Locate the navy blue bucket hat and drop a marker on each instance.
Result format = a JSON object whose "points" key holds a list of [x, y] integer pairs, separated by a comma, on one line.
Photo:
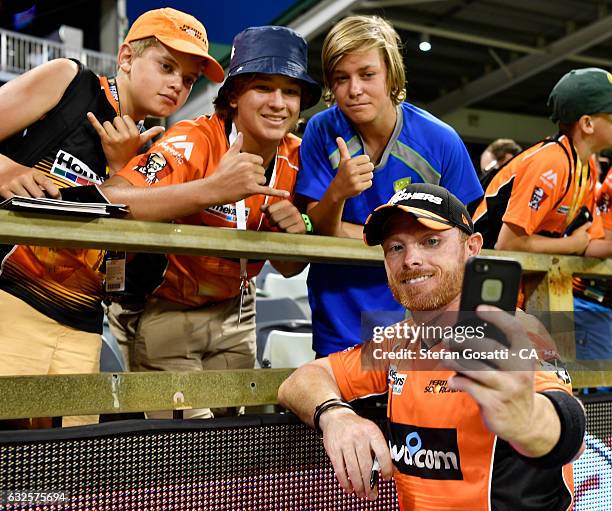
{"points": [[276, 51]]}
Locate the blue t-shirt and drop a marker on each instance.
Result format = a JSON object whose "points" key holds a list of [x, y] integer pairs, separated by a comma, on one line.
{"points": [[421, 149]]}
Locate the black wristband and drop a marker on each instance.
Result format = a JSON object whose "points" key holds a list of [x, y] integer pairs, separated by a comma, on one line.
{"points": [[328, 405], [573, 426]]}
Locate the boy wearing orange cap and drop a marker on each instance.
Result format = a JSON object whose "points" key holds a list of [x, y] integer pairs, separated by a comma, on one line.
{"points": [[51, 296]]}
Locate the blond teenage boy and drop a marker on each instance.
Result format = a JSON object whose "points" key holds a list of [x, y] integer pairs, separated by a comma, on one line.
{"points": [[355, 155]]}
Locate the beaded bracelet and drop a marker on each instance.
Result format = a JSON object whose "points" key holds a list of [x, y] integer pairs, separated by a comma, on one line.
{"points": [[328, 405]]}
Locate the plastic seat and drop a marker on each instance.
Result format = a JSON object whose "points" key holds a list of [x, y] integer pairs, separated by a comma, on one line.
{"points": [[264, 330], [111, 360], [266, 270], [288, 349], [275, 309], [277, 286]]}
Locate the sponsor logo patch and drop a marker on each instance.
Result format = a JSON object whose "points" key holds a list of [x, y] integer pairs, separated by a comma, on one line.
{"points": [[226, 212], [428, 453], [178, 146], [564, 210], [403, 195], [549, 179], [396, 381], [71, 168], [558, 369], [153, 166], [438, 387], [401, 183], [536, 198]]}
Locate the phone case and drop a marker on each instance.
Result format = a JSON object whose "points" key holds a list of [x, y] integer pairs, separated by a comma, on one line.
{"points": [[583, 216], [480, 269]]}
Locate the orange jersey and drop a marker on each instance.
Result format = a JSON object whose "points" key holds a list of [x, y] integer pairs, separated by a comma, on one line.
{"points": [[192, 150], [65, 284], [540, 190], [604, 201], [445, 457], [599, 290]]}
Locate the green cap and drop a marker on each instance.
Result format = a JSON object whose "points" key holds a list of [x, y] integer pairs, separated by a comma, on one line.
{"points": [[581, 92]]}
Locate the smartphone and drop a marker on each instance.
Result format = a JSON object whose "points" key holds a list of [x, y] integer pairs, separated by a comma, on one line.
{"points": [[582, 217], [491, 281]]}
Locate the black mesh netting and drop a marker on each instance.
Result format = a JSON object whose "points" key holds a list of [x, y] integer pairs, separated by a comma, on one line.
{"points": [[248, 463], [593, 471], [185, 465]]}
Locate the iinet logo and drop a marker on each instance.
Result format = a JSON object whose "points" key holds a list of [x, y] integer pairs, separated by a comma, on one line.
{"points": [[403, 195]]}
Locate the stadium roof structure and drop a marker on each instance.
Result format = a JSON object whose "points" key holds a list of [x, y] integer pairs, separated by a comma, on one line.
{"points": [[491, 61]]}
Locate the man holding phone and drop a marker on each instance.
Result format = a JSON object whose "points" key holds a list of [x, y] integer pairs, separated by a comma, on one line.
{"points": [[478, 439]]}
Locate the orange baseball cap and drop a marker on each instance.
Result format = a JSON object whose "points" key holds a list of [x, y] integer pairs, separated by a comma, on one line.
{"points": [[179, 31]]}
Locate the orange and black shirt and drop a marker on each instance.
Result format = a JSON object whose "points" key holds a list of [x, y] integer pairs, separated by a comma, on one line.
{"points": [[64, 284], [192, 150], [540, 190], [599, 290], [445, 458]]}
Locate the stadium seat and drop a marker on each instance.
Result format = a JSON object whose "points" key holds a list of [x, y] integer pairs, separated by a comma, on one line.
{"points": [[288, 349], [277, 314], [277, 286]]}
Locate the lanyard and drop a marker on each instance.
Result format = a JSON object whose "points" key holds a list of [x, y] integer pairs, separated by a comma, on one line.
{"points": [[581, 183], [114, 90], [241, 225]]}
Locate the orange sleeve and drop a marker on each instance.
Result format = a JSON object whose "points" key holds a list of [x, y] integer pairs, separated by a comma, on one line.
{"points": [[537, 187], [550, 373], [597, 229], [352, 379], [552, 377], [181, 155]]}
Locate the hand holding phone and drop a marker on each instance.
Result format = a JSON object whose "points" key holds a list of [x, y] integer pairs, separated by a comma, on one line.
{"points": [[492, 281], [582, 217]]}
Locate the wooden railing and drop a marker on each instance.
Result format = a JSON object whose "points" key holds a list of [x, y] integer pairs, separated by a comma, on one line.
{"points": [[548, 281]]}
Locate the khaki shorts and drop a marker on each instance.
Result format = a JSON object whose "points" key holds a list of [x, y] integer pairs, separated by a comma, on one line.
{"points": [[171, 337], [32, 343]]}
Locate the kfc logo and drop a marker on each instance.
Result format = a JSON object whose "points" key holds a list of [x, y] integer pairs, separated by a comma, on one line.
{"points": [[153, 167]]}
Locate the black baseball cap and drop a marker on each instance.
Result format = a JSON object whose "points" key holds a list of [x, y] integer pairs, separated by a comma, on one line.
{"points": [[274, 50], [433, 206], [581, 92]]}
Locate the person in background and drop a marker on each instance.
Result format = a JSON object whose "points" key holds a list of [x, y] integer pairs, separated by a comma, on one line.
{"points": [[497, 154], [545, 200]]}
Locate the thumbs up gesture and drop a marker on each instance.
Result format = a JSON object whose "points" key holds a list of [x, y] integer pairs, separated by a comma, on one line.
{"points": [[354, 174]]}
